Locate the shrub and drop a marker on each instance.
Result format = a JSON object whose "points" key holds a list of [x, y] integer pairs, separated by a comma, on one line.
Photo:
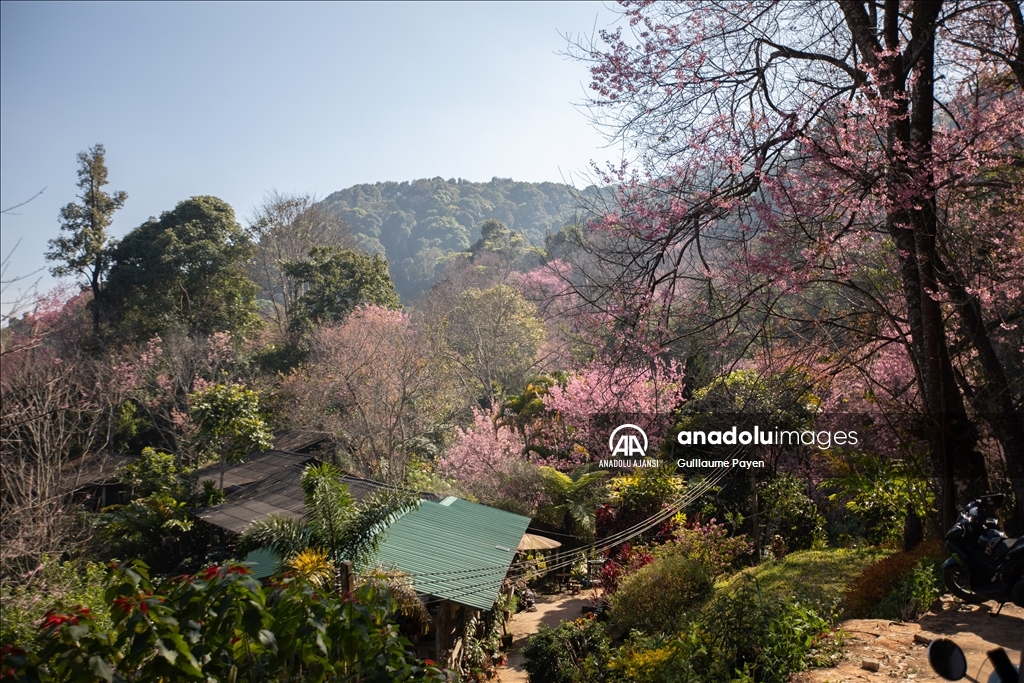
{"points": [[219, 624], [711, 545], [26, 603], [153, 472], [767, 639], [575, 652], [658, 596], [739, 637], [791, 514], [914, 594], [870, 588], [877, 492], [646, 490], [629, 561]]}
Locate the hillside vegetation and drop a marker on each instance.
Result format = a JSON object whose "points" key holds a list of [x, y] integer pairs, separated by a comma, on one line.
{"points": [[415, 225]]}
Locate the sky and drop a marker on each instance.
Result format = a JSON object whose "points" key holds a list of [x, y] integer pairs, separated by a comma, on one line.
{"points": [[237, 99]]}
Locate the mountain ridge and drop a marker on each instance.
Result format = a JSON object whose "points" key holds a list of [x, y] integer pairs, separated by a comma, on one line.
{"points": [[416, 224]]}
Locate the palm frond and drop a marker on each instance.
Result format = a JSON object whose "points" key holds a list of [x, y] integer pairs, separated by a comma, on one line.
{"points": [[362, 535], [283, 535], [401, 588]]}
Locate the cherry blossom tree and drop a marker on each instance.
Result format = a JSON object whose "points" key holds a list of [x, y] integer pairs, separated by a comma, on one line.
{"points": [[840, 169], [371, 381], [559, 422]]}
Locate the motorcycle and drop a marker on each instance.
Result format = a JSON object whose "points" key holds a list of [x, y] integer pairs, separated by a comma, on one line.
{"points": [[949, 661], [984, 564]]}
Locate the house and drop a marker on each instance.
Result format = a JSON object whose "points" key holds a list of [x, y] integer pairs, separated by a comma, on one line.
{"points": [[95, 481], [456, 553]]}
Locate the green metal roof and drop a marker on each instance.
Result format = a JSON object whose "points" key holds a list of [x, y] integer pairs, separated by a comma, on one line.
{"points": [[454, 549], [264, 562]]}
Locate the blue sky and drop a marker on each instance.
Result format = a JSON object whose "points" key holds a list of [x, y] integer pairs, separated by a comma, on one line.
{"points": [[236, 99]]}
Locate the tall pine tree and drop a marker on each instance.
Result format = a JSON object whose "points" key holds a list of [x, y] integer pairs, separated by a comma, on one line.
{"points": [[83, 247]]}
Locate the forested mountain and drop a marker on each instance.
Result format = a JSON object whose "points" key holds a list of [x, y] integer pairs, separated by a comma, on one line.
{"points": [[416, 224]]}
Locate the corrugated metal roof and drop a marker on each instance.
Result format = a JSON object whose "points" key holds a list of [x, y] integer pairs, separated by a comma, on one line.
{"points": [[96, 469], [454, 549], [298, 441], [254, 468], [279, 493], [263, 563]]}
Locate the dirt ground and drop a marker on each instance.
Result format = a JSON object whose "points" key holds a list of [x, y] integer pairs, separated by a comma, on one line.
{"points": [[898, 648], [901, 649], [551, 610]]}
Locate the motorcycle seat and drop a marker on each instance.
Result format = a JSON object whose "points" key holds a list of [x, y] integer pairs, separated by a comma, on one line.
{"points": [[1002, 547]]}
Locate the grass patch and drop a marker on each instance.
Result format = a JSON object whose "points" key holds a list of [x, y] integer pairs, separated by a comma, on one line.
{"points": [[816, 578]]}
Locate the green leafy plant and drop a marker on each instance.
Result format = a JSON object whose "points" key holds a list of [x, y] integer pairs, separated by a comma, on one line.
{"points": [[711, 545], [915, 593], [743, 636], [230, 424], [657, 597], [897, 586], [645, 490], [219, 625], [877, 493], [334, 522], [790, 513], [571, 499], [575, 652], [767, 639], [153, 472], [53, 580]]}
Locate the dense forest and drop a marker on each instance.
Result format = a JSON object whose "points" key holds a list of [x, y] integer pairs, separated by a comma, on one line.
{"points": [[417, 225]]}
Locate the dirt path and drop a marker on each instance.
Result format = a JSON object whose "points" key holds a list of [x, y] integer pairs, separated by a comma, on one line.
{"points": [[901, 649], [551, 611]]}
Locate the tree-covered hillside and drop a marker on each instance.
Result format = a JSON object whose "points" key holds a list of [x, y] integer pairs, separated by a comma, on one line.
{"points": [[416, 224]]}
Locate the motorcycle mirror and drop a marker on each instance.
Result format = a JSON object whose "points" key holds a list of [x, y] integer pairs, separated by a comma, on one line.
{"points": [[947, 659]]}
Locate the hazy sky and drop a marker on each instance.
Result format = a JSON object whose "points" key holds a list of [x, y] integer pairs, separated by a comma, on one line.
{"points": [[237, 99]]}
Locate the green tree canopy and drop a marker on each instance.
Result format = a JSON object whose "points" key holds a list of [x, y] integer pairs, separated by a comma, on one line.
{"points": [[336, 281], [493, 337], [230, 424], [572, 499], [185, 269], [83, 247]]}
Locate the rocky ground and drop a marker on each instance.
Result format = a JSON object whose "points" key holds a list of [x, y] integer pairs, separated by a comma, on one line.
{"points": [[900, 649]]}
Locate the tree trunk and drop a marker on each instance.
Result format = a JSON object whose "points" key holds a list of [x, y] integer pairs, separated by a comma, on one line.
{"points": [[96, 294], [913, 226], [994, 399]]}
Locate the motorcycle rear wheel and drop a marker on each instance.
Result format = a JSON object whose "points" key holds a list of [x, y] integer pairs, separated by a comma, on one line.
{"points": [[959, 584]]}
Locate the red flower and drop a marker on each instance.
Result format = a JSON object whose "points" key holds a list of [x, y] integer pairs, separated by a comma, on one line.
{"points": [[211, 573], [53, 620], [429, 662], [124, 604], [239, 569], [144, 607]]}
